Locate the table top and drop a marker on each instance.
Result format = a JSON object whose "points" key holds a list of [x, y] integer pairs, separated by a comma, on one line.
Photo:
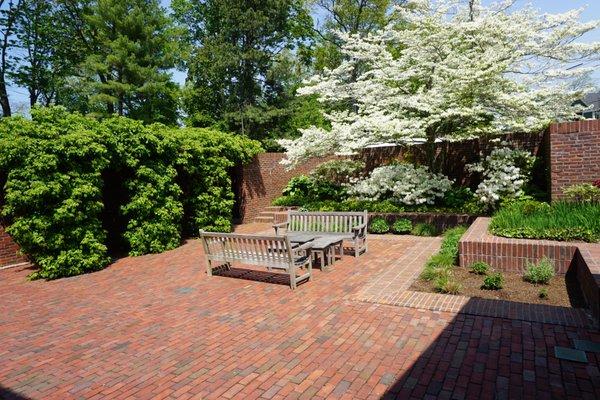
{"points": [[326, 241], [302, 238]]}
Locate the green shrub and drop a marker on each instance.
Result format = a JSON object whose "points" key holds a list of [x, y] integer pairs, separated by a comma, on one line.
{"points": [[583, 192], [305, 187], [480, 268], [450, 242], [301, 186], [543, 293], [423, 229], [379, 225], [57, 167], [542, 272], [446, 283], [402, 225], [558, 221], [289, 201], [493, 281]]}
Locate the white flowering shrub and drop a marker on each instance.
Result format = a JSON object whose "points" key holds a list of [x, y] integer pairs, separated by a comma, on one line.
{"points": [[404, 183], [505, 172]]}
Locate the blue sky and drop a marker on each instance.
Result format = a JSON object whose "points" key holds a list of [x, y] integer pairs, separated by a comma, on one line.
{"points": [[19, 95]]}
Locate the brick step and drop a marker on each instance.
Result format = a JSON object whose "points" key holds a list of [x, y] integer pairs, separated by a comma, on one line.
{"points": [[276, 208], [263, 219]]}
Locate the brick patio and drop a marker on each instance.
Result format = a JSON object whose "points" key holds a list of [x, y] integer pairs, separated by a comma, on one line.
{"points": [[157, 327]]}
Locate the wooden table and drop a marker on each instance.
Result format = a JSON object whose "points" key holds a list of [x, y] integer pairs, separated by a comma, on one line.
{"points": [[325, 246]]}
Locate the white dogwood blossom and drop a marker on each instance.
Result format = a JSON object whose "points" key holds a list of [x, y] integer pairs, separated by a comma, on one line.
{"points": [[504, 172], [404, 183], [442, 70]]}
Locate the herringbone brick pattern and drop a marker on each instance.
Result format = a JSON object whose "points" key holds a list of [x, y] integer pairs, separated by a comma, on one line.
{"points": [[156, 327]]}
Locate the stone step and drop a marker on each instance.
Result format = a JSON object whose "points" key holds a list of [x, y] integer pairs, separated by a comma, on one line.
{"points": [[263, 219]]}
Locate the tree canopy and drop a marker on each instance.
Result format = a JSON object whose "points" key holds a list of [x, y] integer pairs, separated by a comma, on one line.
{"points": [[443, 71]]}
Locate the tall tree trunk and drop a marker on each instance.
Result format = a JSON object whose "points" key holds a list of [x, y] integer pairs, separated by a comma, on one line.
{"points": [[4, 101]]}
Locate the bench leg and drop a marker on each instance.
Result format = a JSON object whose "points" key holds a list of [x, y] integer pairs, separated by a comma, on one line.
{"points": [[310, 269], [208, 268]]}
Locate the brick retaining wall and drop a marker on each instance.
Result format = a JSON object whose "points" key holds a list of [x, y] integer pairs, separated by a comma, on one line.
{"points": [[574, 154]]}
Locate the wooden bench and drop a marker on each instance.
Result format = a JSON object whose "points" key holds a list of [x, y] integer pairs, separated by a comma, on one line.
{"points": [[351, 225], [272, 252]]}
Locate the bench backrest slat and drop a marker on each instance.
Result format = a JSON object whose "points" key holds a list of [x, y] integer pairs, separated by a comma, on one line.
{"points": [[253, 249], [334, 222]]}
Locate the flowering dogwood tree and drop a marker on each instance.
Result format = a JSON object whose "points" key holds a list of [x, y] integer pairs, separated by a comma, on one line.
{"points": [[448, 71]]}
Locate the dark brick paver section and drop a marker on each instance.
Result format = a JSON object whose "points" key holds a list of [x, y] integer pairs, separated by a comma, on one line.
{"points": [[156, 327]]}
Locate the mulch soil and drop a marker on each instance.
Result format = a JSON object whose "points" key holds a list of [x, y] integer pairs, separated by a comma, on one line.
{"points": [[562, 289]]}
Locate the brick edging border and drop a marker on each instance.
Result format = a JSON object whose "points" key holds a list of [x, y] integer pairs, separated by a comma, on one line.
{"points": [[542, 313]]}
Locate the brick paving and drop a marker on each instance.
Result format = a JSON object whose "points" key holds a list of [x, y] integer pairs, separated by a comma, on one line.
{"points": [[156, 327]]}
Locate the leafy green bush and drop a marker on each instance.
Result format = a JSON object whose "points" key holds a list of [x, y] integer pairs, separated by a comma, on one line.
{"points": [[583, 192], [299, 186], [305, 188], [53, 191], [542, 272], [56, 167], [402, 225], [287, 201], [379, 225], [543, 293], [423, 229], [493, 281], [558, 221], [480, 268]]}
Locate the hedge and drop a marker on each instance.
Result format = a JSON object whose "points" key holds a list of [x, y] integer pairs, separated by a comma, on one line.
{"points": [[166, 183]]}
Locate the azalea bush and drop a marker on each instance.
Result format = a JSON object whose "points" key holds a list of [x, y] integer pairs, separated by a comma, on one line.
{"points": [[61, 204], [504, 172], [404, 183]]}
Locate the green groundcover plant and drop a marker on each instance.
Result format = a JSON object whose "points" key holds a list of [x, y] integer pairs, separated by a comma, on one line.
{"points": [[558, 221], [55, 169]]}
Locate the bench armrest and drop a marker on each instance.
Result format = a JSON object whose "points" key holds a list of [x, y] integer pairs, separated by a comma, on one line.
{"points": [[359, 230], [280, 225]]}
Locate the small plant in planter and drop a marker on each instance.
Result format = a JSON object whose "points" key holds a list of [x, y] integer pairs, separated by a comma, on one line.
{"points": [[423, 229], [541, 273], [438, 264], [543, 294], [480, 268], [445, 283], [493, 281], [402, 225], [379, 225]]}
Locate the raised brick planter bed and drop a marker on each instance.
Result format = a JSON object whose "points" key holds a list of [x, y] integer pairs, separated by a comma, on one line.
{"points": [[506, 254]]}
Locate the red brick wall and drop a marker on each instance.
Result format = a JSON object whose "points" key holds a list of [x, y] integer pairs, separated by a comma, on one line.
{"points": [[260, 182], [9, 250], [574, 154], [264, 179]]}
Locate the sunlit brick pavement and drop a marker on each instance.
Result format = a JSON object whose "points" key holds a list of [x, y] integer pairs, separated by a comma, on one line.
{"points": [[156, 327]]}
